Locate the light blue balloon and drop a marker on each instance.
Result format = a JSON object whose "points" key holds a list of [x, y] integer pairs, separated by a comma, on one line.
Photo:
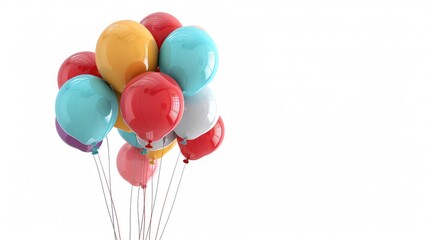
{"points": [[86, 108], [130, 137], [189, 55]]}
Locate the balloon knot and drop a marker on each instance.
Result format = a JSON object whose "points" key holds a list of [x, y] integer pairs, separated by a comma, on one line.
{"points": [[183, 142], [186, 161], [149, 145], [94, 150], [143, 151], [152, 162], [143, 186]]}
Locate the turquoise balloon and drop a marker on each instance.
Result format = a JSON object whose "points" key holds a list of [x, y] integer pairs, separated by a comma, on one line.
{"points": [[86, 108], [189, 55], [130, 138]]}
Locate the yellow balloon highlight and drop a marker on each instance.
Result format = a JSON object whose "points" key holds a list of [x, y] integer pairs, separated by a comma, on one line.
{"points": [[124, 50], [160, 152], [120, 121]]}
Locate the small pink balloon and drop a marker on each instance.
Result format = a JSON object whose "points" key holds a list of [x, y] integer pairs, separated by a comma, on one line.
{"points": [[135, 167]]}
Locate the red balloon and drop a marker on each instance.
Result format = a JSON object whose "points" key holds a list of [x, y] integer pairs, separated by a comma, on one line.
{"points": [[152, 105], [204, 144], [134, 167], [77, 64], [160, 24]]}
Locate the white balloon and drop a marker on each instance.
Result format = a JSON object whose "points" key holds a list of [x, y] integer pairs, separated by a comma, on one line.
{"points": [[169, 138], [200, 115]]}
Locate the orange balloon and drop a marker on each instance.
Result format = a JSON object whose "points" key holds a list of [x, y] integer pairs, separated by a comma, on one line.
{"points": [[124, 50], [120, 121], [160, 152]]}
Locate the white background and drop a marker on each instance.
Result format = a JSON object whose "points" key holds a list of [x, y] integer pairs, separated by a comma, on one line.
{"points": [[326, 106]]}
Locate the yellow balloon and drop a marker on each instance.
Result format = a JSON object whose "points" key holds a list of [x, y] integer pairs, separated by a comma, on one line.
{"points": [[160, 152], [124, 50], [119, 120]]}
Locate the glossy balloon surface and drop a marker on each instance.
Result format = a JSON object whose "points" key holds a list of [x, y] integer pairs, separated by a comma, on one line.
{"points": [[189, 56], [120, 123], [158, 150], [73, 142], [86, 108], [124, 50], [160, 24], [152, 105], [130, 138], [162, 143], [134, 167], [156, 154], [77, 64], [204, 144], [200, 115]]}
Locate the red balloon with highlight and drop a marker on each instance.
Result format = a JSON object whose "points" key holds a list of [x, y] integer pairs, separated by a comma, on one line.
{"points": [[204, 144], [77, 64], [160, 24], [152, 105]]}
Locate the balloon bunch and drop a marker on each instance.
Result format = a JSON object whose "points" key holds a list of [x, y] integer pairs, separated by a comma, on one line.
{"points": [[150, 80]]}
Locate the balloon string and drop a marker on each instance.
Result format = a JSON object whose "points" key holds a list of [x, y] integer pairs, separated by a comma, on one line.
{"points": [[138, 210], [131, 202], [114, 213], [143, 223], [166, 195], [174, 200], [151, 202], [156, 193], [110, 183], [104, 195]]}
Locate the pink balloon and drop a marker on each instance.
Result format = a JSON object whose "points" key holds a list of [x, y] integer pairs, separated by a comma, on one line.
{"points": [[134, 167]]}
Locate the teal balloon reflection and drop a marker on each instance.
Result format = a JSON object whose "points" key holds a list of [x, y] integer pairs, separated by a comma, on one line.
{"points": [[130, 137], [189, 55], [86, 108]]}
